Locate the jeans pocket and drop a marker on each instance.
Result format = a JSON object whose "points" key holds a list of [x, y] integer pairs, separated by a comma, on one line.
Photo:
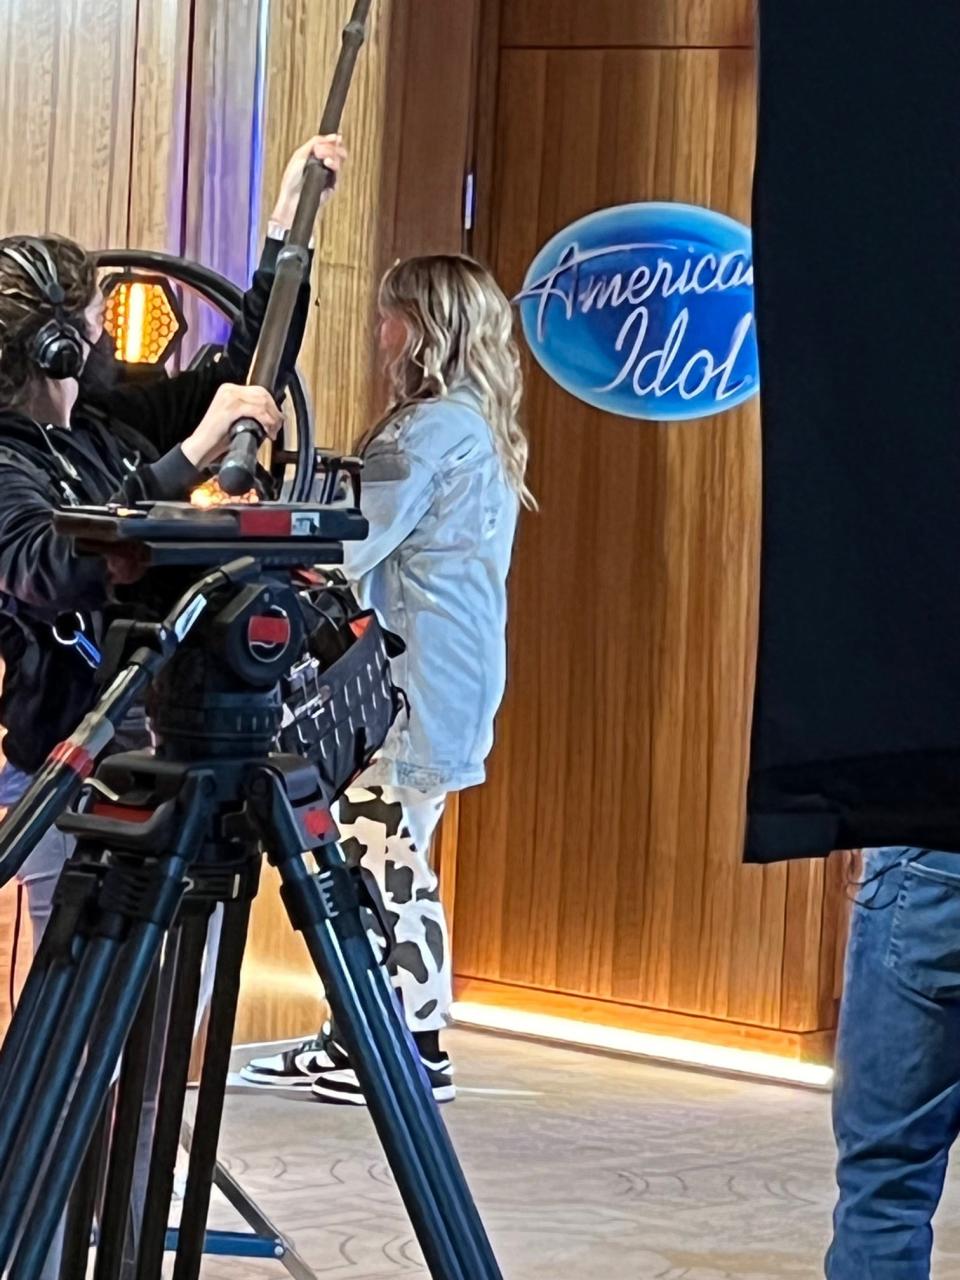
{"points": [[924, 945]]}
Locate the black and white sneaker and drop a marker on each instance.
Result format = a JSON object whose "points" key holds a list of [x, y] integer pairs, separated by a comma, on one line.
{"points": [[297, 1068], [340, 1085]]}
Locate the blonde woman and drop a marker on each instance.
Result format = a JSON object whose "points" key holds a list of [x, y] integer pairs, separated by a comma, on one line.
{"points": [[444, 478]]}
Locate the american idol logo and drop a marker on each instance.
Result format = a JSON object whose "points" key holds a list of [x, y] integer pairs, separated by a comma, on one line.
{"points": [[646, 310]]}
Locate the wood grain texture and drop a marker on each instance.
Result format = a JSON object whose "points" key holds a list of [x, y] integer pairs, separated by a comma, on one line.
{"points": [[436, 117], [66, 90], [633, 23], [807, 1046], [603, 857], [339, 348], [159, 148], [281, 995]]}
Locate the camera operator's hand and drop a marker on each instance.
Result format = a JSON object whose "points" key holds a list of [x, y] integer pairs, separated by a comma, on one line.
{"points": [[211, 439], [330, 150], [126, 565]]}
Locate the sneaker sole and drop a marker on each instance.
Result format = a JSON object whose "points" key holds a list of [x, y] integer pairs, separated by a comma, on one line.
{"points": [[277, 1082], [441, 1094]]}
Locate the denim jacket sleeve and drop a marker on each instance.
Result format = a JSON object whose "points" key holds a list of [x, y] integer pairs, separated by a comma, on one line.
{"points": [[397, 491], [404, 470]]}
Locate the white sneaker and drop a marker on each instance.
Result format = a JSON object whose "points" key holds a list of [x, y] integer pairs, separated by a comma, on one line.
{"points": [[340, 1085], [297, 1068]]}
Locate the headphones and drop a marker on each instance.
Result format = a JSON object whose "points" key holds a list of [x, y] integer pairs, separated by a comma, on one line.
{"points": [[57, 349]]}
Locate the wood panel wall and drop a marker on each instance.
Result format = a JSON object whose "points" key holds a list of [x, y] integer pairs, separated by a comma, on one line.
{"points": [[602, 859], [631, 24], [66, 88]]}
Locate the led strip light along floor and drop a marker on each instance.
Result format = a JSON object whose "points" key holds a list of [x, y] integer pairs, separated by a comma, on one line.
{"points": [[690, 1053]]}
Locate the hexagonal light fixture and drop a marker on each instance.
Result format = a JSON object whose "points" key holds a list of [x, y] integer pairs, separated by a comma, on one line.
{"points": [[143, 317]]}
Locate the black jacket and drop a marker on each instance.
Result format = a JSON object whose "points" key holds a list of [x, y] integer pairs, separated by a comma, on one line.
{"points": [[122, 445]]}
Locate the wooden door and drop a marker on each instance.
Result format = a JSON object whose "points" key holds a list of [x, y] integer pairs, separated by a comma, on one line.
{"points": [[602, 859]]}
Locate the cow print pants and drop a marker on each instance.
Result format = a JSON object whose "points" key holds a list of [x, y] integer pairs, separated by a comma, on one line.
{"points": [[387, 831]]}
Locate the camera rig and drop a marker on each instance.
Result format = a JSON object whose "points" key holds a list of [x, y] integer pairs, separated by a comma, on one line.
{"points": [[165, 836]]}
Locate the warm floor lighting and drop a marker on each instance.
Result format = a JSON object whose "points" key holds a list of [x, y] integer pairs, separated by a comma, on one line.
{"points": [[689, 1053]]}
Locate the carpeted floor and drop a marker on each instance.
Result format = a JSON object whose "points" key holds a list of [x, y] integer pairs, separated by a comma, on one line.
{"points": [[584, 1166]]}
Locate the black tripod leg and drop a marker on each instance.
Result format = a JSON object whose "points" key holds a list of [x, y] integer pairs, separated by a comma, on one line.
{"points": [[213, 1084], [118, 1002], [43, 994], [44, 1100], [326, 909], [151, 1100], [39, 1019], [173, 1089], [126, 1131], [39, 1025], [78, 1227]]}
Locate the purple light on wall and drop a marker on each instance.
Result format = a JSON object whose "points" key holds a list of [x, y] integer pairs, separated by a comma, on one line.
{"points": [[257, 137]]}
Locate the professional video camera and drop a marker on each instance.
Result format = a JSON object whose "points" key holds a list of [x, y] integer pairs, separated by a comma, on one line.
{"points": [[268, 689]]}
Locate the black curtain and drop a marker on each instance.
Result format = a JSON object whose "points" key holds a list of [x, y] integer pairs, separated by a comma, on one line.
{"points": [[856, 737]]}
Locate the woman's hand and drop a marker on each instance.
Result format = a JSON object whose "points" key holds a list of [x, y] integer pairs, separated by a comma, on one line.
{"points": [[330, 150], [211, 439]]}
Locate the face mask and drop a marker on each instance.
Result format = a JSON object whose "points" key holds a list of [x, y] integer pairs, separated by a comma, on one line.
{"points": [[101, 372]]}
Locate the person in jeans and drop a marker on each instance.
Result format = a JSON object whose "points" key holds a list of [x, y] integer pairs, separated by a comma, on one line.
{"points": [[896, 1100], [442, 486]]}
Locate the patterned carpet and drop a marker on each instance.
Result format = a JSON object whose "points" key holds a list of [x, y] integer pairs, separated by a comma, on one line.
{"points": [[584, 1166]]}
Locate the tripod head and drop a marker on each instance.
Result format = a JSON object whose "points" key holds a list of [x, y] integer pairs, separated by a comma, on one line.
{"points": [[165, 535]]}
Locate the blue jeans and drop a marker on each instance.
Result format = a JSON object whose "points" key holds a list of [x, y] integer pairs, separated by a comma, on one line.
{"points": [[896, 1104]]}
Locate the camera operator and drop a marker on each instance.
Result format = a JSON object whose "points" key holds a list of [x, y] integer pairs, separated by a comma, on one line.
{"points": [[70, 435]]}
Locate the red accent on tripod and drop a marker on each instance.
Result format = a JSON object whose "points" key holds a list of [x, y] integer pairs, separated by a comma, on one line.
{"points": [[122, 813], [265, 629], [262, 522], [318, 823], [73, 757]]}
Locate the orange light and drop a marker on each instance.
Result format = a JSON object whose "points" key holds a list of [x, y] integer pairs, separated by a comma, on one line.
{"points": [[209, 494], [142, 319], [133, 335]]}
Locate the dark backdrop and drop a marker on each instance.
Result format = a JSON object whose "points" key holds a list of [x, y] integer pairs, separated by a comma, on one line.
{"points": [[857, 222]]}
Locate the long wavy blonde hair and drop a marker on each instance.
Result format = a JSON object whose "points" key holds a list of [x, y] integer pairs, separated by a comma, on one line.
{"points": [[459, 333]]}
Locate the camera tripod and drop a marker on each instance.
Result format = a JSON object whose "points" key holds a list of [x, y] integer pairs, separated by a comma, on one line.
{"points": [[161, 839]]}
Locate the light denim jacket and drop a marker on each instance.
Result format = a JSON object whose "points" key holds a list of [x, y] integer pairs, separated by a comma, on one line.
{"points": [[442, 520]]}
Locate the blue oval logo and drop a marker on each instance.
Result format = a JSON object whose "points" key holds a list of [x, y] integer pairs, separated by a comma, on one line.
{"points": [[646, 310]]}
